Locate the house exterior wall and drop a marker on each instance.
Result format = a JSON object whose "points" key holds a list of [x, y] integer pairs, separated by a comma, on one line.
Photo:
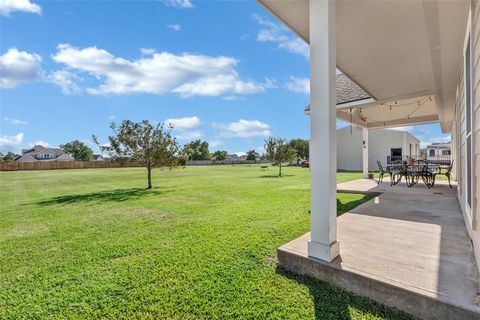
{"points": [[440, 152], [349, 147], [45, 155], [459, 134], [412, 145]]}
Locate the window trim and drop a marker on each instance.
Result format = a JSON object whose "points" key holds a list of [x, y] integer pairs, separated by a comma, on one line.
{"points": [[468, 45]]}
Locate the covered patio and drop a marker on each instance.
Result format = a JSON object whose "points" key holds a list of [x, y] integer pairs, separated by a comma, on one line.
{"points": [[409, 247]]}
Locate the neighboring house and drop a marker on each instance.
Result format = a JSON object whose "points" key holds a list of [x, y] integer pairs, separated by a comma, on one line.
{"points": [[41, 153], [98, 157], [384, 145], [439, 151], [232, 157]]}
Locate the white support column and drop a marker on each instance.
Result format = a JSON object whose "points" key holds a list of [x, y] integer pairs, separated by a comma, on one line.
{"points": [[323, 242], [365, 152]]}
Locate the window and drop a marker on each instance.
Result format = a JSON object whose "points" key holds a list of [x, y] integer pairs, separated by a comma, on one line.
{"points": [[445, 152], [468, 120], [396, 154], [431, 152]]}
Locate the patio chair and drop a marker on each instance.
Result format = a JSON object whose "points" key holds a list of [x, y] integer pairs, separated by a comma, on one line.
{"points": [[446, 173], [397, 171], [382, 171], [418, 170]]}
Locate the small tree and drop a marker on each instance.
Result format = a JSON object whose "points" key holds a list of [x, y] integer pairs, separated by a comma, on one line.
{"points": [[423, 153], [278, 151], [9, 157], [197, 150], [154, 147], [79, 150], [302, 147], [252, 155], [220, 155]]}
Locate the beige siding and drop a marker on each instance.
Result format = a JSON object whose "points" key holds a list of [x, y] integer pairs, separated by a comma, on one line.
{"points": [[476, 114], [460, 134]]}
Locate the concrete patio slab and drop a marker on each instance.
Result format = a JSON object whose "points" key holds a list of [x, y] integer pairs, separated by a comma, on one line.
{"points": [[407, 248]]}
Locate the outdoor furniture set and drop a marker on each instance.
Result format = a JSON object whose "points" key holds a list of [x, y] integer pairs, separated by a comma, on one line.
{"points": [[413, 171]]}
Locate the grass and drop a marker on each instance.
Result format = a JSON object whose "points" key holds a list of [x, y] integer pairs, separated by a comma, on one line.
{"points": [[77, 244]]}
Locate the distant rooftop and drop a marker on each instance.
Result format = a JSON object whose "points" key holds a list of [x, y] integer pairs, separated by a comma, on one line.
{"points": [[439, 144], [346, 91]]}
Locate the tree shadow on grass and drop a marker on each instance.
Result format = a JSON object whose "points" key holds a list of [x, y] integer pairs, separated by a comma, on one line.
{"points": [[276, 176], [116, 195], [349, 205], [332, 302]]}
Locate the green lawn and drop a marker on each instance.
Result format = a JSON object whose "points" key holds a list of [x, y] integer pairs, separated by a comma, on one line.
{"points": [[201, 244]]}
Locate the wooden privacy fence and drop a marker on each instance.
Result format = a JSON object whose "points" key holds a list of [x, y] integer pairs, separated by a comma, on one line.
{"points": [[220, 162], [53, 165]]}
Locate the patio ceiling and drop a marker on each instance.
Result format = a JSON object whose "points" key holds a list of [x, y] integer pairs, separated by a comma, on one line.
{"points": [[402, 112], [396, 52]]}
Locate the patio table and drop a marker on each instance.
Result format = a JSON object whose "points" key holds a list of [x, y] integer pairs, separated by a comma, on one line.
{"points": [[413, 172]]}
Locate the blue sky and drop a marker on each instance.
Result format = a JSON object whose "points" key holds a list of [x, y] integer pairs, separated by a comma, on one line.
{"points": [[225, 72]]}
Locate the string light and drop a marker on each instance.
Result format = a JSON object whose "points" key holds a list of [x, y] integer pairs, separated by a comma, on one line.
{"points": [[419, 104]]}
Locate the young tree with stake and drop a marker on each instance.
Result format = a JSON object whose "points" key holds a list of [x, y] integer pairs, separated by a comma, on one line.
{"points": [[278, 151], [153, 146]]}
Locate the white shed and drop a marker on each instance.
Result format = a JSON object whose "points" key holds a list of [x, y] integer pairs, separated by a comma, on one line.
{"points": [[383, 145]]}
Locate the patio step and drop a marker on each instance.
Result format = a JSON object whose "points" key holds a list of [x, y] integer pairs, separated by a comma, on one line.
{"points": [[385, 291]]}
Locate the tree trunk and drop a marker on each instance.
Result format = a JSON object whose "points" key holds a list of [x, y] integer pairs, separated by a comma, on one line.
{"points": [[280, 169], [149, 175]]}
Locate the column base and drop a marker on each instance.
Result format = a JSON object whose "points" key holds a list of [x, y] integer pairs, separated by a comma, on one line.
{"points": [[323, 252]]}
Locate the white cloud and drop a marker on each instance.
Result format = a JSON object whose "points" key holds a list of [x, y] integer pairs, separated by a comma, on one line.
{"points": [[160, 73], [427, 134], [17, 67], [296, 45], [406, 128], [8, 6], [10, 143], [186, 123], [260, 149], [425, 141], [301, 85], [178, 3], [38, 143], [190, 135], [147, 51], [112, 117], [232, 98], [187, 128], [278, 33], [175, 27], [215, 143], [244, 129], [66, 80], [15, 121], [218, 84]]}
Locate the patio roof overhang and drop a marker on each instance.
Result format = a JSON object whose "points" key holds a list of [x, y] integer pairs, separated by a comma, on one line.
{"points": [[398, 52]]}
